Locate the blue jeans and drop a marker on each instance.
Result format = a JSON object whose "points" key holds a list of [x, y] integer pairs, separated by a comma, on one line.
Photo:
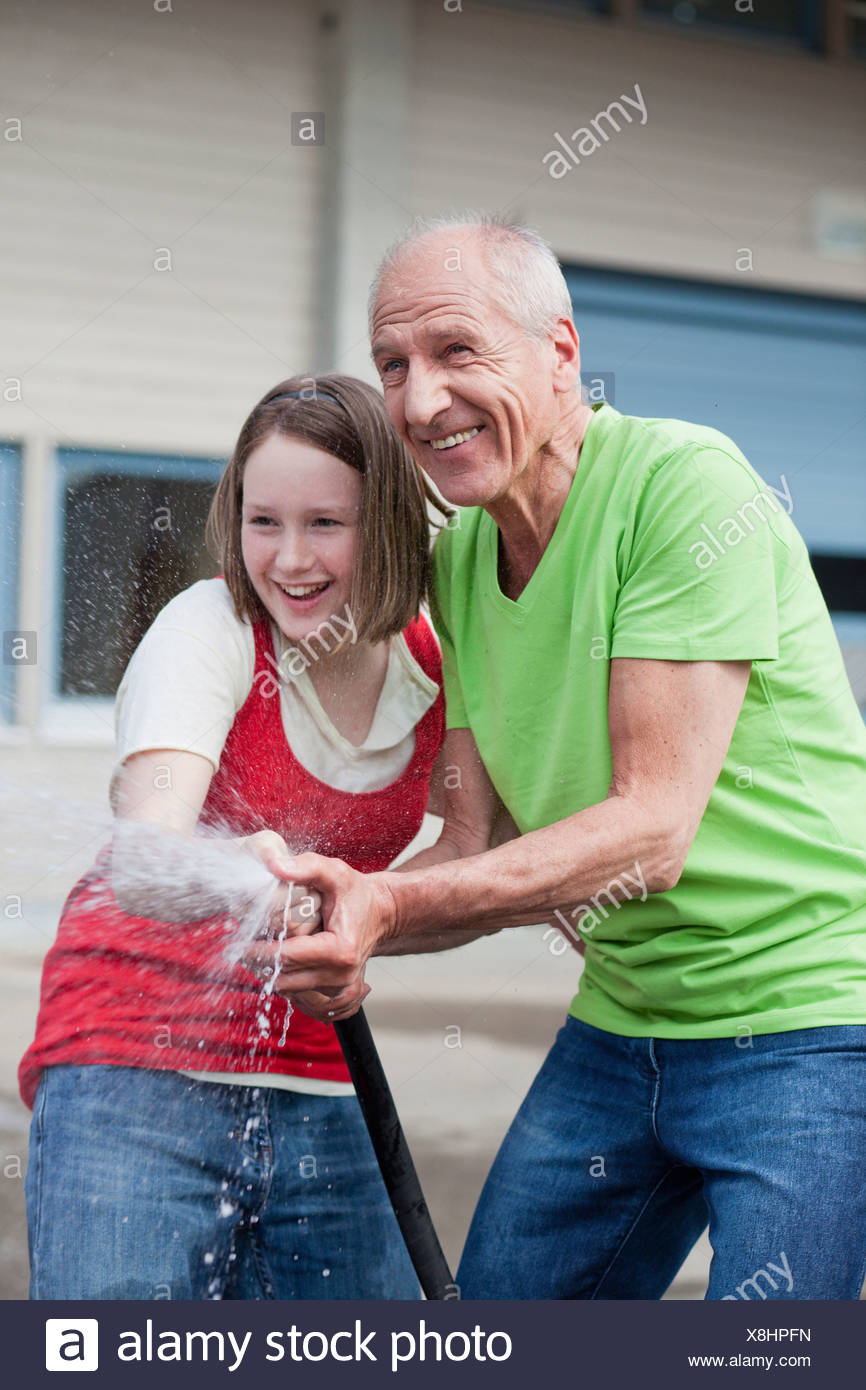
{"points": [[147, 1185], [625, 1148]]}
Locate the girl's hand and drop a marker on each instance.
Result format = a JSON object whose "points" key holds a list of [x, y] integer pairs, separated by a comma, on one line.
{"points": [[294, 910], [271, 850], [296, 917]]}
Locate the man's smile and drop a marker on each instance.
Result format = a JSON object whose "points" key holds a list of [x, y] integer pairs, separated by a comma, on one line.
{"points": [[449, 441]]}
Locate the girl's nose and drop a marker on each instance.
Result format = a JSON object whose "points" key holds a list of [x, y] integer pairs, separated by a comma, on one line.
{"points": [[295, 552]]}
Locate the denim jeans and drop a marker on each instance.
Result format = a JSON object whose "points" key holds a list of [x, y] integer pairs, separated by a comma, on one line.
{"points": [[148, 1185], [625, 1148]]}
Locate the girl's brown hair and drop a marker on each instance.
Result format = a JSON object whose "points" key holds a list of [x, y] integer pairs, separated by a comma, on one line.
{"points": [[347, 418]]}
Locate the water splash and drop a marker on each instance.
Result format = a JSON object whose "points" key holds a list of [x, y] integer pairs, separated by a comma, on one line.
{"points": [[177, 879], [184, 879]]}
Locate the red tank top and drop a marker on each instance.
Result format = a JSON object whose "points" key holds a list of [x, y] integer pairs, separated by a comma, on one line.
{"points": [[129, 991]]}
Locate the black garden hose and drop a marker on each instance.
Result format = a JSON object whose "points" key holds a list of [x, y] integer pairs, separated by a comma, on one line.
{"points": [[394, 1158]]}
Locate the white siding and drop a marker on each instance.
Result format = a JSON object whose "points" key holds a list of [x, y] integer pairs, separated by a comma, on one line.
{"points": [[736, 142], [141, 130]]}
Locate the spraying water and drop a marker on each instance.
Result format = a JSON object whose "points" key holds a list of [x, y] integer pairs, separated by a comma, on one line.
{"points": [[151, 872], [174, 878]]}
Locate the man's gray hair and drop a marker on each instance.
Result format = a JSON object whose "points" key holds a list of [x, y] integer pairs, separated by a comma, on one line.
{"points": [[531, 287]]}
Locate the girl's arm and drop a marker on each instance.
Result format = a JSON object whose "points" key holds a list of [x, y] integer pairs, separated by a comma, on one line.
{"points": [[161, 869]]}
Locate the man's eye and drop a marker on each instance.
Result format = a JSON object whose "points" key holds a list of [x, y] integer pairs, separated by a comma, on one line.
{"points": [[459, 347], [391, 364]]}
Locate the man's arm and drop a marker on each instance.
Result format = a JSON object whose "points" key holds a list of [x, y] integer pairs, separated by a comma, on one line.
{"points": [[474, 820], [670, 726]]}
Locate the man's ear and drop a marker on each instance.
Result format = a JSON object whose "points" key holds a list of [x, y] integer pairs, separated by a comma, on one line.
{"points": [[566, 347]]}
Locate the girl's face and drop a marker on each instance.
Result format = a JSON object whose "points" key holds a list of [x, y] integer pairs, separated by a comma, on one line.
{"points": [[299, 532]]}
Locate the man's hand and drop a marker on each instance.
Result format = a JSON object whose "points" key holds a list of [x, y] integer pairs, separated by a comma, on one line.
{"points": [[323, 973], [330, 1008]]}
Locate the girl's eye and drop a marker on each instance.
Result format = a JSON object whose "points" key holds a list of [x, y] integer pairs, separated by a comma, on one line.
{"points": [[326, 521], [261, 521]]}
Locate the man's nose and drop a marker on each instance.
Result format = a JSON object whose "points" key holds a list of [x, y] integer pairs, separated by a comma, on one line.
{"points": [[425, 395]]}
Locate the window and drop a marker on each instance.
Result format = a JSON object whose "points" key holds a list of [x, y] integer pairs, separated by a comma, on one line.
{"points": [[798, 21], [836, 28], [554, 7], [130, 535]]}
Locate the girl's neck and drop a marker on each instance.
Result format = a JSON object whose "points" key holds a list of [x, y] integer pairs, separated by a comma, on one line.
{"points": [[348, 682]]}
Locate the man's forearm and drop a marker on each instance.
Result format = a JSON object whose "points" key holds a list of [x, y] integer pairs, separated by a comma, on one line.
{"points": [[613, 851], [424, 943]]}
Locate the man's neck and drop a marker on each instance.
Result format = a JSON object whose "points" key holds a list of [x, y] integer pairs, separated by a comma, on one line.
{"points": [[527, 515]]}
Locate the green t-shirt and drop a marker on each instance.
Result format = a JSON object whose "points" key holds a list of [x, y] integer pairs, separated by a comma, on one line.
{"points": [[670, 546]]}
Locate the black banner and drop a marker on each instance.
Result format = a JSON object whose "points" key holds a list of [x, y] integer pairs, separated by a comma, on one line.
{"points": [[419, 1345]]}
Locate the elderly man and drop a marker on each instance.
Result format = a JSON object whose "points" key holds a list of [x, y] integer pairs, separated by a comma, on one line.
{"points": [[640, 668]]}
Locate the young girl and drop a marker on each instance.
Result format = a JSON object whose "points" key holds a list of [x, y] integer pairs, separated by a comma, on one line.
{"points": [[192, 1137]]}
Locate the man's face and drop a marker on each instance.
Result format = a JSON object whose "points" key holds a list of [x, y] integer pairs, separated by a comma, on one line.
{"points": [[453, 364]]}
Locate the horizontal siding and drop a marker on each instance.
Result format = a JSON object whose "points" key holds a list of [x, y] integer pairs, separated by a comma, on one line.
{"points": [[145, 130], [737, 141]]}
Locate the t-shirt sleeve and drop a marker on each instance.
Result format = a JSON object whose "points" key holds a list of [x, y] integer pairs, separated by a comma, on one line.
{"points": [[455, 706], [699, 580], [187, 678]]}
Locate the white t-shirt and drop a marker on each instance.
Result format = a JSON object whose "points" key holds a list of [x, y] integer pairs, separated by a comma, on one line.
{"points": [[189, 677]]}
